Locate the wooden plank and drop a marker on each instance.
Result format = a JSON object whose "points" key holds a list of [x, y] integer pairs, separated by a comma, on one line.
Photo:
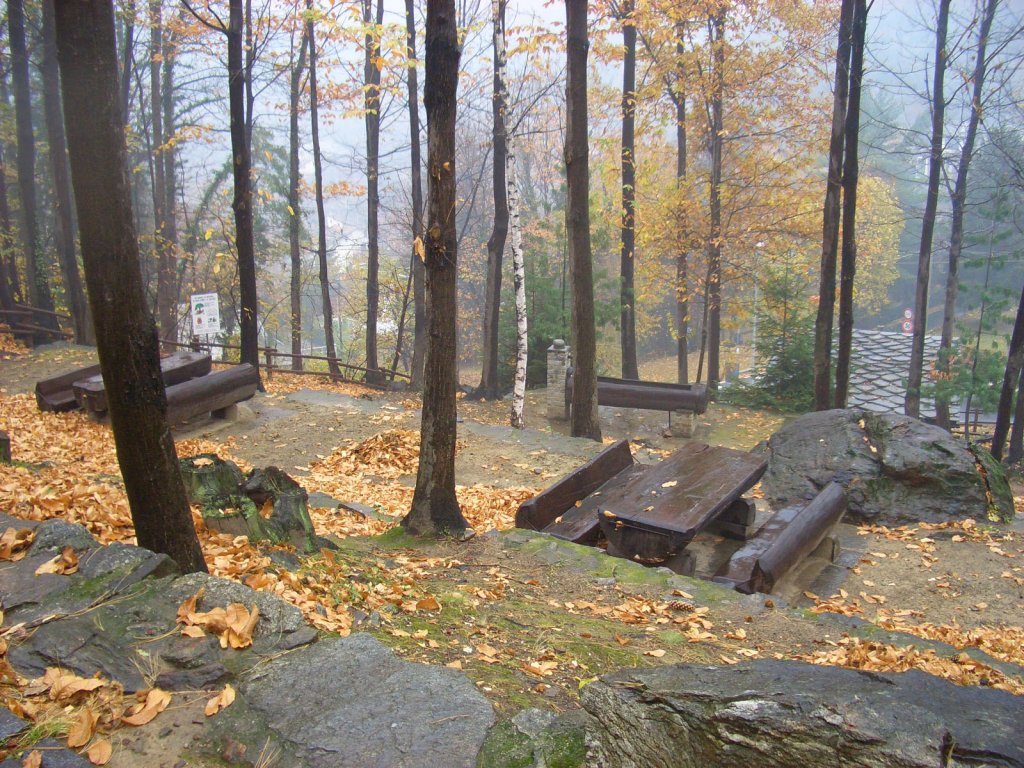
{"points": [[211, 393], [91, 393], [686, 491], [540, 511], [55, 394], [782, 542], [581, 524]]}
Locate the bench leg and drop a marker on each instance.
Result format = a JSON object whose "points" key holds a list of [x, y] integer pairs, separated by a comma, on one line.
{"points": [[228, 414], [683, 563], [828, 549]]}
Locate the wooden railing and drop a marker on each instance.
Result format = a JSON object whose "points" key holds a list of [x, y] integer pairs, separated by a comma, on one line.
{"points": [[23, 320], [271, 355]]}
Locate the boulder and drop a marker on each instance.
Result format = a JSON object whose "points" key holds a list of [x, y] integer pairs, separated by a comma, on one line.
{"points": [[895, 469], [779, 714]]}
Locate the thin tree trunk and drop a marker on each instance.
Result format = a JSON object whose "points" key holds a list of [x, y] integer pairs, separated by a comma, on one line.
{"points": [[1011, 376], [435, 508], [371, 102], [165, 310], [1017, 431], [682, 260], [488, 387], [74, 293], [127, 57], [912, 401], [584, 418], [400, 334], [419, 344], [848, 268], [169, 157], [627, 254], [321, 216], [959, 202], [830, 218], [714, 287], [8, 237], [241, 151], [35, 266], [519, 282], [125, 333], [294, 211]]}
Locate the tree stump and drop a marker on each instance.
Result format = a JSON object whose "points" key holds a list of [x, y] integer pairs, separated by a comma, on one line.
{"points": [[266, 505], [5, 448]]}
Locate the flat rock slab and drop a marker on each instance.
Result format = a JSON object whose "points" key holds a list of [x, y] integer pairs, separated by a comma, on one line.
{"points": [[352, 702], [778, 714]]}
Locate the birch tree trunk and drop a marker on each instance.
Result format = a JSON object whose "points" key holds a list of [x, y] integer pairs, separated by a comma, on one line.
{"points": [[519, 283], [912, 401]]}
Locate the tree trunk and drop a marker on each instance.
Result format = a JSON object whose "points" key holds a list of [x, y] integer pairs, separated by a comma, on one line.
{"points": [[519, 282], [8, 262], [584, 418], [74, 294], [321, 216], [627, 262], [959, 202], [371, 102], [435, 509], [294, 216], [912, 401], [682, 260], [714, 287], [169, 157], [165, 300], [848, 268], [125, 333], [127, 57], [419, 344], [35, 266], [1014, 363], [488, 388], [830, 218], [1017, 431], [241, 151]]}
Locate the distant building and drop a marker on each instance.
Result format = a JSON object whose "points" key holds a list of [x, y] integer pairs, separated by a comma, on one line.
{"points": [[879, 365]]}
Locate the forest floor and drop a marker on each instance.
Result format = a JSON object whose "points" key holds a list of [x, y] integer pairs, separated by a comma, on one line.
{"points": [[528, 620]]}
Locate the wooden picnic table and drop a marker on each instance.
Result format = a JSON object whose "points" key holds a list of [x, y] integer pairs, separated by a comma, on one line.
{"points": [[91, 393], [653, 516]]}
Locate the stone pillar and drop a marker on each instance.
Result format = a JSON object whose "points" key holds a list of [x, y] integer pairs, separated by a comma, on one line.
{"points": [[559, 360]]}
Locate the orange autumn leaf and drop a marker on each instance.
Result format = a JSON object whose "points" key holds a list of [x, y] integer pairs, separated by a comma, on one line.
{"points": [[220, 701], [82, 729], [100, 751], [156, 702], [33, 759], [65, 563]]}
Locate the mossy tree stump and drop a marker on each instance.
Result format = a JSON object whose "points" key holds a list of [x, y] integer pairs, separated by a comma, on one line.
{"points": [[266, 505]]}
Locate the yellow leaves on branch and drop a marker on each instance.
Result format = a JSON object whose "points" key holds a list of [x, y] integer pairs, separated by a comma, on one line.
{"points": [[233, 625]]}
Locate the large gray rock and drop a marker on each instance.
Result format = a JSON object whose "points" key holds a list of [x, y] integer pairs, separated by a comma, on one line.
{"points": [[895, 469], [782, 714], [352, 702]]}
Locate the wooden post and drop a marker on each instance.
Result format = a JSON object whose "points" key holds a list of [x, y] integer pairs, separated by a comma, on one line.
{"points": [[269, 353]]}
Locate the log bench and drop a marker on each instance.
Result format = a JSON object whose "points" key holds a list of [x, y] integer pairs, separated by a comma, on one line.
{"points": [[691, 399], [91, 393], [55, 394], [215, 394], [783, 541]]}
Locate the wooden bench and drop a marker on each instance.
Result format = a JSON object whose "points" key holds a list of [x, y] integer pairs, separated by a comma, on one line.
{"points": [[649, 395], [55, 394], [213, 394], [653, 516], [783, 541], [91, 393]]}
